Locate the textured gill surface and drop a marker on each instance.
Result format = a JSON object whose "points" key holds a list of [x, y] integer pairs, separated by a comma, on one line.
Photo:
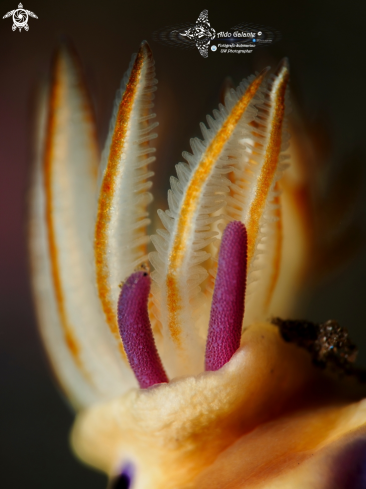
{"points": [[120, 232], [62, 215], [195, 203], [254, 195], [135, 330], [227, 309]]}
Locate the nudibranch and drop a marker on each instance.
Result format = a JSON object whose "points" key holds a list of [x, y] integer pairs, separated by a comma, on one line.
{"points": [[182, 378]]}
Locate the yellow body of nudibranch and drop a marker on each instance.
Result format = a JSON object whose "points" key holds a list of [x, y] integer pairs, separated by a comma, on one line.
{"points": [[259, 421]]}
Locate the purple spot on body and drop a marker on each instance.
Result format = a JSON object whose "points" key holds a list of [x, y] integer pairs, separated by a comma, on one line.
{"points": [[349, 467], [125, 479], [227, 308], [135, 330]]}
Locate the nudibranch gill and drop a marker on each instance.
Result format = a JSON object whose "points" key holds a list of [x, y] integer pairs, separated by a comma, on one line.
{"points": [[179, 378]]}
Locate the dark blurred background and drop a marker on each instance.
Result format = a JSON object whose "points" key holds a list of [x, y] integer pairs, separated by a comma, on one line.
{"points": [[326, 45]]}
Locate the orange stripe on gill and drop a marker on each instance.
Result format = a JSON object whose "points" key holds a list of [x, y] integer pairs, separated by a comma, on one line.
{"points": [[269, 168], [55, 103], [191, 202], [108, 190]]}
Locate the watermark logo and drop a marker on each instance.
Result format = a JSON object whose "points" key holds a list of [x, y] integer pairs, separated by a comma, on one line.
{"points": [[202, 33], [240, 39], [20, 18]]}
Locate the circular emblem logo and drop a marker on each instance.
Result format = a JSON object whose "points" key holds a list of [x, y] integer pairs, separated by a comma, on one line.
{"points": [[20, 18]]}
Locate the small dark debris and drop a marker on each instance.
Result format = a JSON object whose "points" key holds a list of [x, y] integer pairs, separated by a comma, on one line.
{"points": [[328, 344], [143, 267]]}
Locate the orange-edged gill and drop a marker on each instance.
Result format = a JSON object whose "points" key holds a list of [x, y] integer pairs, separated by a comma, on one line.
{"points": [[271, 158], [55, 120], [110, 189], [191, 200]]}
